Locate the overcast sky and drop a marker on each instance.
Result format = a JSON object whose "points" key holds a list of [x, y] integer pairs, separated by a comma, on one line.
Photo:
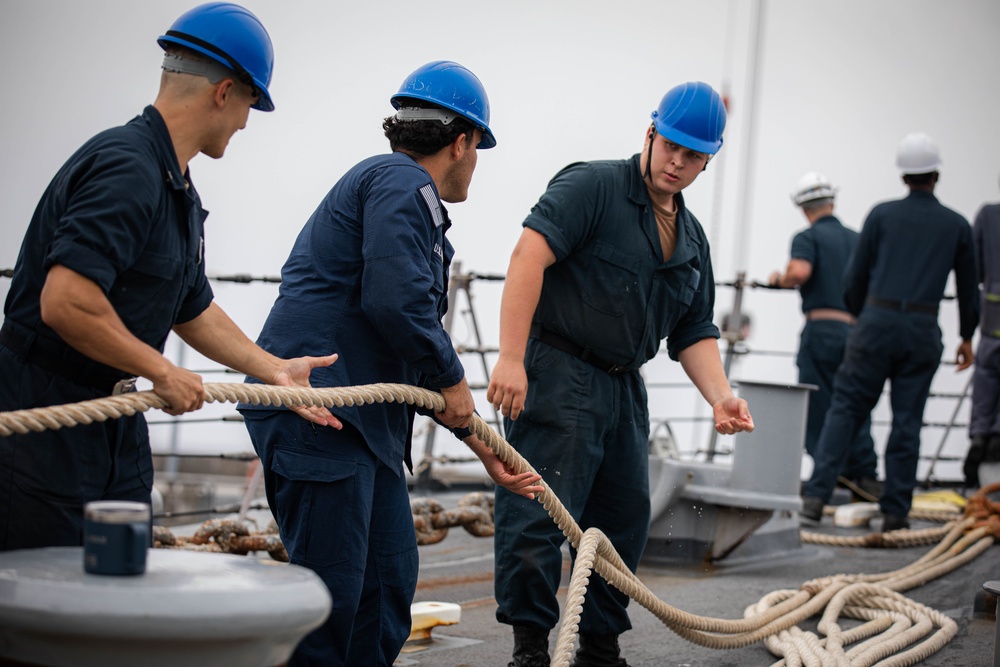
{"points": [[838, 85]]}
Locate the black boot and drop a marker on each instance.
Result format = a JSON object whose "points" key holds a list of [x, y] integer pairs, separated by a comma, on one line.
{"points": [[531, 647], [598, 651], [977, 450], [869, 490]]}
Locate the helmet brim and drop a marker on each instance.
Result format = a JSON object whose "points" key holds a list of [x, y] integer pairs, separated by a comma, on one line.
{"points": [[687, 141]]}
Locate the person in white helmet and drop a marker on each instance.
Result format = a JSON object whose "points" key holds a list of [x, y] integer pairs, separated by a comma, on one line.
{"points": [[984, 418], [819, 255], [894, 284]]}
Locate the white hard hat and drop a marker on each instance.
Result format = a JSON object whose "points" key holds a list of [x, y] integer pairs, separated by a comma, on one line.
{"points": [[917, 154], [812, 186]]}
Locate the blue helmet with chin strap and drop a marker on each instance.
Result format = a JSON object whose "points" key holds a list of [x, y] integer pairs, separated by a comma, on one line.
{"points": [[231, 35], [450, 86], [692, 115]]}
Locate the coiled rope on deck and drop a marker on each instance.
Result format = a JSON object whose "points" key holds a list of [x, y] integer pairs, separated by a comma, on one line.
{"points": [[894, 622], [771, 617]]}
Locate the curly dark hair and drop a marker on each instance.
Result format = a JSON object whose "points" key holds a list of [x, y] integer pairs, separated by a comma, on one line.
{"points": [[425, 137], [921, 180]]}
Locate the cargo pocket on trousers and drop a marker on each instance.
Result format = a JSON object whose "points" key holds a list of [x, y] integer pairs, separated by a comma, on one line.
{"points": [[315, 498]]}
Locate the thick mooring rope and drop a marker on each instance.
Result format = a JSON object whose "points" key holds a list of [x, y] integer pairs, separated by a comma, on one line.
{"points": [[599, 554], [894, 622], [126, 405], [893, 539]]}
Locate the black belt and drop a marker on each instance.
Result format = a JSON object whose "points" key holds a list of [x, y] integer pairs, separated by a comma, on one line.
{"points": [[903, 306], [59, 358], [538, 332]]}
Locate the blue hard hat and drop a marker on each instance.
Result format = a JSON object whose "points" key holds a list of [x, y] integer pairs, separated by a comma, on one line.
{"points": [[692, 115], [232, 36], [451, 86]]}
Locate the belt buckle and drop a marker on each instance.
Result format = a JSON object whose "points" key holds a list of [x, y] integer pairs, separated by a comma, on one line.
{"points": [[615, 369], [124, 386]]}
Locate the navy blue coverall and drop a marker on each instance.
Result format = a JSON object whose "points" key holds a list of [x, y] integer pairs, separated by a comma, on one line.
{"points": [[984, 419], [586, 429], [894, 283], [119, 213], [827, 246], [368, 278]]}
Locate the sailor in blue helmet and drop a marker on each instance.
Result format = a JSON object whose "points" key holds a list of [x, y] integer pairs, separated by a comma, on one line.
{"points": [[369, 274], [609, 264], [894, 282], [112, 261]]}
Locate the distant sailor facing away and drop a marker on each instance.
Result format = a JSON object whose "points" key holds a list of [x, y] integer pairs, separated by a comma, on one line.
{"points": [[894, 284], [819, 256], [984, 417]]}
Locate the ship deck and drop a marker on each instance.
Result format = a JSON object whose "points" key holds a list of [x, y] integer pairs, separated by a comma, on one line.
{"points": [[459, 569]]}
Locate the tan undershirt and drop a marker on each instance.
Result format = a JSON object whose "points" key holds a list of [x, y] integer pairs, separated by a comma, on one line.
{"points": [[666, 225]]}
